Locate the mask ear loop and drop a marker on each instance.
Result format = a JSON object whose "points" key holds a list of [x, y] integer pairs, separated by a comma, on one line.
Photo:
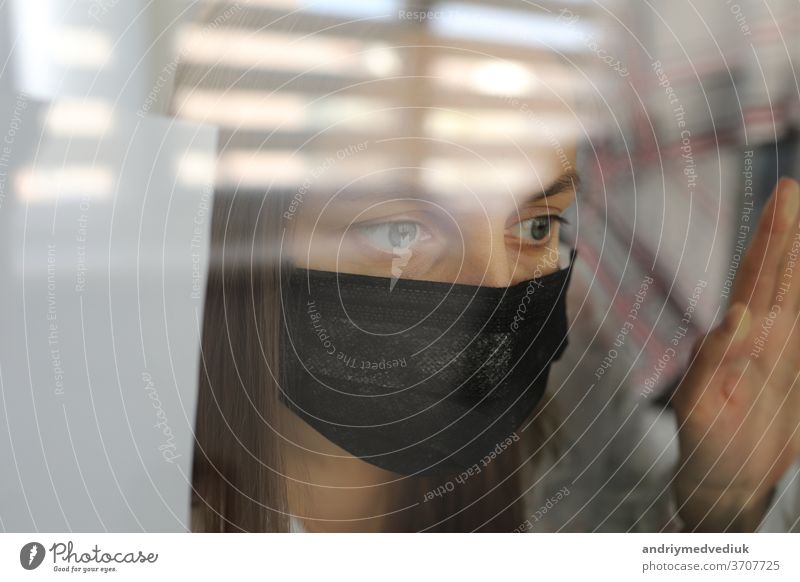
{"points": [[562, 297], [563, 247], [573, 255]]}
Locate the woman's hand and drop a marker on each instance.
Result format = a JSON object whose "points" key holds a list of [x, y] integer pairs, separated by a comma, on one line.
{"points": [[738, 408]]}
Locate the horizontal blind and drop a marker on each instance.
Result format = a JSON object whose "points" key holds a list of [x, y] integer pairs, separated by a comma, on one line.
{"points": [[289, 82]]}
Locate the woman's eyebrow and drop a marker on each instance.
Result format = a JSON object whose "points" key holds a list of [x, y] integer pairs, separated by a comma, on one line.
{"points": [[385, 194], [569, 180]]}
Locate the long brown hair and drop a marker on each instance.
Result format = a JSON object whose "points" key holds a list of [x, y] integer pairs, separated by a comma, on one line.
{"points": [[237, 476]]}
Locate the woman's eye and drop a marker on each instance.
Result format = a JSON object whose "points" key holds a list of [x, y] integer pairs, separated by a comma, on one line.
{"points": [[393, 237], [537, 229]]}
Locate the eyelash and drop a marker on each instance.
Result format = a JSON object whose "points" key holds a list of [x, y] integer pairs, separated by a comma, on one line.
{"points": [[364, 230], [557, 218]]}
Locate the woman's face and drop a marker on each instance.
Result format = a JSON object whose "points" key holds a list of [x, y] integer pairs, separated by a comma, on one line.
{"points": [[462, 235], [489, 238]]}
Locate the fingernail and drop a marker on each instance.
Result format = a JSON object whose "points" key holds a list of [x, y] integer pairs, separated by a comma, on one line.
{"points": [[791, 190]]}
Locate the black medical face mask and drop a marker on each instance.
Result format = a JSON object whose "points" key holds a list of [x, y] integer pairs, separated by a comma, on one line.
{"points": [[418, 377]]}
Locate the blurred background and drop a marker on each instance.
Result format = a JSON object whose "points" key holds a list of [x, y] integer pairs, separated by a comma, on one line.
{"points": [[686, 113]]}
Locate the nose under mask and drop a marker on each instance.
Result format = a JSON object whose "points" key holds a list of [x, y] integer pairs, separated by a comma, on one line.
{"points": [[418, 377]]}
